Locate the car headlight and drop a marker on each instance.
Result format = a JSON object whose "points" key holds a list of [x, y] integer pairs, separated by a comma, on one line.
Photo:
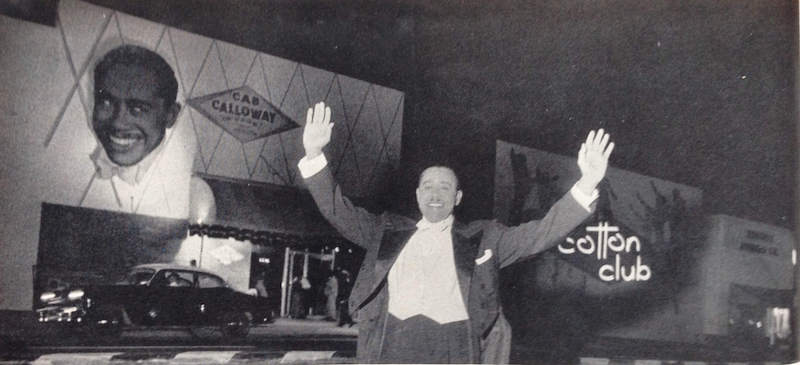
{"points": [[47, 296], [75, 294]]}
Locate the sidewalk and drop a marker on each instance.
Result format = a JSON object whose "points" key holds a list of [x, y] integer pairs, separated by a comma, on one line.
{"points": [[304, 327], [23, 324], [19, 330]]}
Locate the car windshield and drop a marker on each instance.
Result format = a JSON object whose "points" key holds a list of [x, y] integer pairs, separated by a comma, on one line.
{"points": [[139, 276]]}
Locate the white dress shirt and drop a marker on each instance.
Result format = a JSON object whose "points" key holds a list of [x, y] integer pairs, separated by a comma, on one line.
{"points": [[423, 279]]}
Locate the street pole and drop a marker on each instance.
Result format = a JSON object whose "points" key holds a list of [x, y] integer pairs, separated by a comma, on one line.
{"points": [[202, 242], [284, 283]]}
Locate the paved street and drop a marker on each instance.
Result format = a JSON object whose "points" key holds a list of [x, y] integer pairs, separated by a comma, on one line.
{"points": [[285, 340]]}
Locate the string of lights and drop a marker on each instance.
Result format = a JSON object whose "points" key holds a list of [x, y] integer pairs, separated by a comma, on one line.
{"points": [[265, 238]]}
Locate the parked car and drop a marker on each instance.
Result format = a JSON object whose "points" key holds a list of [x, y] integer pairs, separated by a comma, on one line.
{"points": [[158, 295]]}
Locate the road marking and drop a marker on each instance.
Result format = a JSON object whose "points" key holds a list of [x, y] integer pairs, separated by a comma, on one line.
{"points": [[594, 361], [649, 362], [128, 348], [73, 358], [298, 356], [219, 357]]}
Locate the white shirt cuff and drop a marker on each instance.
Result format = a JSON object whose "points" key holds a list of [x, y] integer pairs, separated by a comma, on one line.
{"points": [[309, 168], [584, 200]]}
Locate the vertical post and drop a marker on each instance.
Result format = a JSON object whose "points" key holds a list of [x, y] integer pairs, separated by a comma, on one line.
{"points": [[202, 242], [796, 329], [305, 264], [793, 315], [284, 282], [305, 276]]}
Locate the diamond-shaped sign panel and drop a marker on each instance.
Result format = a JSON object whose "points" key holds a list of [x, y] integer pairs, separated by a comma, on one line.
{"points": [[243, 113], [226, 254]]}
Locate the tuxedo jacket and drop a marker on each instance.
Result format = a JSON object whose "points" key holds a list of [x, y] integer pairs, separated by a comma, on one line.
{"points": [[480, 249]]}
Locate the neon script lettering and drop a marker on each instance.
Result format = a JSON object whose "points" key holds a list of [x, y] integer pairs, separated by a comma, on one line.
{"points": [[601, 239]]}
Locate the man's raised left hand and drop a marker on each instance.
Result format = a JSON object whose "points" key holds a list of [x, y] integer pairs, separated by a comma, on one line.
{"points": [[593, 160]]}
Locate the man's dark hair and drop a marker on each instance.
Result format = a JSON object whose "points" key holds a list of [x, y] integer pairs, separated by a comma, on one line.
{"points": [[139, 56], [458, 183]]}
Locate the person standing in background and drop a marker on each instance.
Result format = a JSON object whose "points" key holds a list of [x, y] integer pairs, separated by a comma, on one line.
{"points": [[345, 284], [261, 287], [297, 309], [331, 295]]}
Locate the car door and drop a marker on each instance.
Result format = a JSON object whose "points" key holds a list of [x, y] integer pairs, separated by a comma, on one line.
{"points": [[135, 302], [165, 302], [214, 296]]}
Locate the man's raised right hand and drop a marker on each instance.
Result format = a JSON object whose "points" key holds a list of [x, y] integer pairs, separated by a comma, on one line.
{"points": [[317, 132]]}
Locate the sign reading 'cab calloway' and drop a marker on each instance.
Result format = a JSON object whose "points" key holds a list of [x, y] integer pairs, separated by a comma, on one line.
{"points": [[243, 113]]}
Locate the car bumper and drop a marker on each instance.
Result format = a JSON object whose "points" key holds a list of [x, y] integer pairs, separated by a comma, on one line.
{"points": [[70, 314]]}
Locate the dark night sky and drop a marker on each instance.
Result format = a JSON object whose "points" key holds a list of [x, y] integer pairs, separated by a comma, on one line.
{"points": [[698, 92]]}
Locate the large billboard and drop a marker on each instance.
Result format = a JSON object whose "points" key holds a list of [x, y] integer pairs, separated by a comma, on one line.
{"points": [[236, 115]]}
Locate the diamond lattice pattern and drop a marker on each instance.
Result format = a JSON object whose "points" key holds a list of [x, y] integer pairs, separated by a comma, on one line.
{"points": [[368, 117]]}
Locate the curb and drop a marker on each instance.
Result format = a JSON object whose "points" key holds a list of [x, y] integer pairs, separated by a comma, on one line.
{"points": [[287, 357], [195, 357], [607, 361]]}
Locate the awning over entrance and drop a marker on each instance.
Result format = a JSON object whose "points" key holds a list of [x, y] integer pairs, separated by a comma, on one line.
{"points": [[266, 207]]}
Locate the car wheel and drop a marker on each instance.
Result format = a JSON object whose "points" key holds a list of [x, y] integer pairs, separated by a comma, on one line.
{"points": [[263, 317], [235, 324], [109, 328]]}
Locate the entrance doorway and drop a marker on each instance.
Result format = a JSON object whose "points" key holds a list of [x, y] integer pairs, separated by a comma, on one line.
{"points": [[304, 275]]}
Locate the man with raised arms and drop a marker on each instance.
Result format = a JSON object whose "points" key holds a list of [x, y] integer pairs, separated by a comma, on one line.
{"points": [[427, 291]]}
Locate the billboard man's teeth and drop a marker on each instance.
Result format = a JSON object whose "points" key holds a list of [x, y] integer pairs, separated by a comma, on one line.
{"points": [[122, 141]]}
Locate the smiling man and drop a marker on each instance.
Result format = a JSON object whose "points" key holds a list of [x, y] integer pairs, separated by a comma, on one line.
{"points": [[438, 192], [427, 291], [135, 91], [137, 169]]}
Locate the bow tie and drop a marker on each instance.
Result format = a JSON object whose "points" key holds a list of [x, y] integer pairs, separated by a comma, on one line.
{"points": [[441, 225], [106, 168]]}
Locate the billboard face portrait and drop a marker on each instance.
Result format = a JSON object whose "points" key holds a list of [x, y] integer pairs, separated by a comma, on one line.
{"points": [[142, 155], [134, 105]]}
